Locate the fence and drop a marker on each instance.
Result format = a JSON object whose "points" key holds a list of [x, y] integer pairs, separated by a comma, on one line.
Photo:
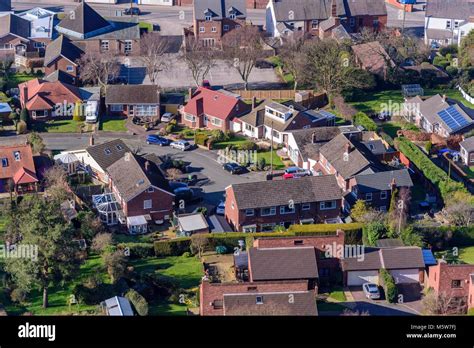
{"points": [[313, 100], [466, 96]]}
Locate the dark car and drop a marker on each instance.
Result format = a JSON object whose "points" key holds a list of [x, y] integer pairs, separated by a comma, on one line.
{"points": [[264, 64], [186, 194], [177, 184], [233, 168], [132, 11], [156, 139]]}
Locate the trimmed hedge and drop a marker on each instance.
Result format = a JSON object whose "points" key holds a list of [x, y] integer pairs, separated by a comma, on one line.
{"points": [[361, 119], [431, 171], [138, 250], [389, 286], [230, 240], [138, 301]]}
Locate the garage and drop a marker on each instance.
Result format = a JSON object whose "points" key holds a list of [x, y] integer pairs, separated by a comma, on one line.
{"points": [[403, 276], [355, 278]]}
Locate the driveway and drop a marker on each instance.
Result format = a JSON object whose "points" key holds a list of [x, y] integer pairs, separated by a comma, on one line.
{"points": [[377, 307]]}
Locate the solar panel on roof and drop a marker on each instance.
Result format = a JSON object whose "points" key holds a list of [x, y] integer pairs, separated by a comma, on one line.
{"points": [[453, 118]]}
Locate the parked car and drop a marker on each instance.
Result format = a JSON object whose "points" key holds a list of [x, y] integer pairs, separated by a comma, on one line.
{"points": [[182, 145], [295, 172], [220, 210], [166, 117], [156, 139], [371, 291], [233, 168], [132, 11], [264, 64], [177, 184], [183, 193]]}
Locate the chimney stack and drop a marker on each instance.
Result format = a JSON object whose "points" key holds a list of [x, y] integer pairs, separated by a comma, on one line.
{"points": [[333, 9], [348, 148], [254, 102], [91, 140], [444, 98], [25, 94], [313, 138], [147, 166], [190, 92]]}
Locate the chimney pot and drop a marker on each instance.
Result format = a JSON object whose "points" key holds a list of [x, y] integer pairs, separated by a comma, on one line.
{"points": [[147, 166], [254, 102], [444, 98], [190, 92], [313, 137], [91, 140]]}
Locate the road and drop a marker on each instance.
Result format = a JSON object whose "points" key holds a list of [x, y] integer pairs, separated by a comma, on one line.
{"points": [[201, 161]]}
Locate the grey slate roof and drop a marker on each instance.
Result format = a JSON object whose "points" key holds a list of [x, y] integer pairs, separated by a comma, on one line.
{"points": [[388, 258], [468, 144], [13, 24], [450, 9], [130, 177], [306, 9], [389, 243], [84, 20], [219, 9], [132, 94], [381, 181], [304, 138], [122, 29], [118, 306], [5, 5], [375, 146], [283, 263], [61, 76], [62, 46], [100, 153], [279, 192], [276, 303], [365, 7]]}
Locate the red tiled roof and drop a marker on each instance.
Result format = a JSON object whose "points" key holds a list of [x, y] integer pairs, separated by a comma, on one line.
{"points": [[214, 103], [23, 169], [43, 95]]}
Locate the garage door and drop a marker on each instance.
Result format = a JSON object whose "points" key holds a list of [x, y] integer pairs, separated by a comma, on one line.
{"points": [[360, 277], [403, 276]]}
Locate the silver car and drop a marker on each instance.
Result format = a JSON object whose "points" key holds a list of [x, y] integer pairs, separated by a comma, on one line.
{"points": [[371, 291], [181, 145]]}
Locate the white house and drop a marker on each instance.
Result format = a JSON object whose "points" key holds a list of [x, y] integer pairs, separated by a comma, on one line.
{"points": [[448, 21], [467, 151], [41, 23]]}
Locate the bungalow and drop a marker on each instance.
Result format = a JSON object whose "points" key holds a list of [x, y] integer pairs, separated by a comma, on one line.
{"points": [[272, 120], [141, 101], [261, 206], [437, 115], [257, 298], [212, 109], [18, 173], [467, 151], [62, 55], [376, 188], [87, 28], [405, 264], [45, 100], [141, 191], [453, 280]]}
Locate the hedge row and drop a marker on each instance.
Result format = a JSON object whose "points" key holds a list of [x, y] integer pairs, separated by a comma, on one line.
{"points": [[389, 286], [137, 250], [361, 119], [176, 247], [445, 237], [431, 171]]}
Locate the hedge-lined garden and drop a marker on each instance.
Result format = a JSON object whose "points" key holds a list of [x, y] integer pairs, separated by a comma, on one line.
{"points": [[388, 284], [361, 119]]}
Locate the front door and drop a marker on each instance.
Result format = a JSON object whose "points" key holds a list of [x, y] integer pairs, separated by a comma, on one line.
{"points": [[130, 110], [204, 121]]}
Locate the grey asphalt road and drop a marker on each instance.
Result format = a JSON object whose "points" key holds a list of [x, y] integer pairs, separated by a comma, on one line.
{"points": [[201, 161], [379, 307]]}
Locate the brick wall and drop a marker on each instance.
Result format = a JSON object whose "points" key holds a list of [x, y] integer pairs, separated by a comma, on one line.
{"points": [[441, 276], [61, 64]]}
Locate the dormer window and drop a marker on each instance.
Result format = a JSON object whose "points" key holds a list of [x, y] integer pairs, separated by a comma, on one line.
{"points": [[107, 151], [16, 155], [232, 13], [208, 15]]}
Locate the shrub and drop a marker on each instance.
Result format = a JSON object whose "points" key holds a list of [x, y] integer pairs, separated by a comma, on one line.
{"points": [[138, 301], [21, 127], [441, 62], [389, 286], [428, 147], [201, 139], [450, 49], [18, 295], [137, 250], [361, 119], [248, 146], [372, 232], [452, 70], [173, 247], [352, 231], [170, 128], [186, 254]]}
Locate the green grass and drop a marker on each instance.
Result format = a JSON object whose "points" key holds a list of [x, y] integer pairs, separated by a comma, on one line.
{"points": [[112, 124], [450, 93], [58, 126], [466, 254], [59, 296], [374, 102], [277, 162], [15, 79], [324, 306], [469, 171], [338, 295], [391, 128], [234, 141], [126, 238]]}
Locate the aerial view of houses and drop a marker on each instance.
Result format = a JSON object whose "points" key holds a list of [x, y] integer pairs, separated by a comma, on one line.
{"points": [[237, 157]]}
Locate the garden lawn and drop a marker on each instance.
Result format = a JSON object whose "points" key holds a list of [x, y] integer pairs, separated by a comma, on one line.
{"points": [[234, 141], [374, 102], [58, 126], [15, 79], [469, 171], [112, 124], [324, 306], [277, 162], [391, 128], [466, 254], [450, 93], [59, 296], [338, 295]]}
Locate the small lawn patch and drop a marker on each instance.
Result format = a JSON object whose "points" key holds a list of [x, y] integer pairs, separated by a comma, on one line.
{"points": [[277, 162], [467, 254], [469, 171], [338, 295], [112, 124], [324, 306], [58, 126], [450, 93], [374, 102], [233, 141], [15, 79]]}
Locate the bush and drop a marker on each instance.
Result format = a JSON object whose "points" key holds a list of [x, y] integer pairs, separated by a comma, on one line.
{"points": [[361, 119], [389, 286], [24, 116], [428, 147], [248, 146], [175, 247], [445, 237], [137, 250], [352, 231], [441, 62], [186, 254], [450, 49], [138, 301], [372, 232], [452, 70], [21, 127], [201, 139], [18, 295]]}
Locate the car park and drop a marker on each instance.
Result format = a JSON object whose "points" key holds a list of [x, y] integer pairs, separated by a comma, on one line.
{"points": [[182, 145], [295, 172], [233, 168], [371, 291], [157, 140]]}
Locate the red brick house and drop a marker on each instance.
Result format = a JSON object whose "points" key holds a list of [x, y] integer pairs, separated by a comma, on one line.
{"points": [[261, 206], [214, 18], [62, 55], [18, 172], [45, 100], [454, 280], [141, 190], [259, 298], [213, 109]]}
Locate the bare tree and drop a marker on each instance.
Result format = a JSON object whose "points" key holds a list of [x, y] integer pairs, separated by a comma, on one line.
{"points": [[242, 48], [199, 243], [101, 241], [399, 209], [199, 59], [98, 68], [56, 183], [293, 58], [155, 57], [459, 209], [442, 304]]}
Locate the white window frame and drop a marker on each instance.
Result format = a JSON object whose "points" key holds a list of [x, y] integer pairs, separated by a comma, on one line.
{"points": [[264, 226], [249, 212], [214, 30], [104, 45], [202, 29], [17, 156], [150, 189], [226, 27], [70, 68], [216, 121], [249, 228], [116, 107], [189, 117], [283, 210], [128, 47], [306, 206], [147, 204], [448, 24], [368, 196], [383, 194], [322, 205], [271, 213]]}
